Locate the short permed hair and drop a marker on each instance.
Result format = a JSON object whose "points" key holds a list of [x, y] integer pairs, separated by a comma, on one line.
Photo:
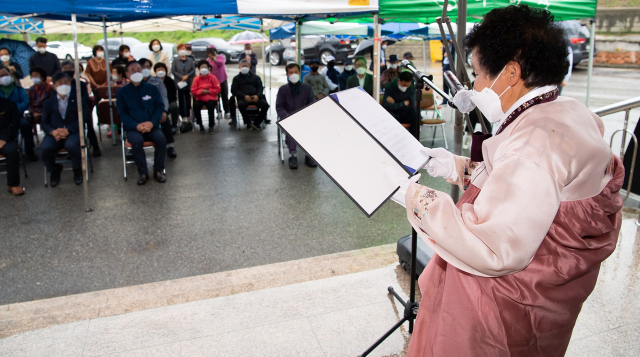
{"points": [[159, 65], [525, 35], [201, 62], [291, 65], [40, 71]]}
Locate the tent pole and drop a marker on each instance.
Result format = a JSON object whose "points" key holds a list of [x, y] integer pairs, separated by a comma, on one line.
{"points": [[592, 41], [298, 41], [376, 57], [83, 155], [264, 58], [424, 53], [106, 58]]}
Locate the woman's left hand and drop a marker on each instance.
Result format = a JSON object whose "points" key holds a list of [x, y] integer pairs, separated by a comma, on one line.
{"points": [[404, 182]]}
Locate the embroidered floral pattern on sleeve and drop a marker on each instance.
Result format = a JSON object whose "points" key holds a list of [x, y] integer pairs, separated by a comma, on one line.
{"points": [[420, 203]]}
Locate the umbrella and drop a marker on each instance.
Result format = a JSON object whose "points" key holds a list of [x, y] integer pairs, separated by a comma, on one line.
{"points": [[20, 52], [247, 37], [366, 46]]}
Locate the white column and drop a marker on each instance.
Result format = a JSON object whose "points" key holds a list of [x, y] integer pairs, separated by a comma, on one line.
{"points": [[376, 57]]}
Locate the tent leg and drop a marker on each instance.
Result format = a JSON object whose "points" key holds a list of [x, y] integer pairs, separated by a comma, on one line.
{"points": [[106, 58], [264, 59], [424, 54], [376, 57], [592, 42], [83, 144]]}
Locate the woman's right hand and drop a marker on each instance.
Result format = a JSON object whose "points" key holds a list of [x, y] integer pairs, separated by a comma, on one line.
{"points": [[441, 164], [184, 78]]}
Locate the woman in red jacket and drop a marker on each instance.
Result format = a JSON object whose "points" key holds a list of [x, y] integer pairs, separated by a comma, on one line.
{"points": [[205, 90]]}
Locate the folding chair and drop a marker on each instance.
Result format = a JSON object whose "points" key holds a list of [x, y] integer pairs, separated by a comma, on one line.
{"points": [[434, 122], [219, 115], [126, 148], [3, 160], [282, 145], [62, 158], [102, 94]]}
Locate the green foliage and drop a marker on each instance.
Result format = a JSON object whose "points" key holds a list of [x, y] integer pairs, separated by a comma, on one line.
{"points": [[618, 3]]}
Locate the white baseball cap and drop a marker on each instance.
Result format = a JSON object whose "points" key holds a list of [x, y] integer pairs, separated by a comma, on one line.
{"points": [[330, 58]]}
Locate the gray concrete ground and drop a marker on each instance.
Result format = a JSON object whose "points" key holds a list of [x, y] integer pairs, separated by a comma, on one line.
{"points": [[228, 203]]}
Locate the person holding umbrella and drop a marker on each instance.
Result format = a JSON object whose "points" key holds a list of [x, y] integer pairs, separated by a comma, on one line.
{"points": [[250, 57], [218, 69]]}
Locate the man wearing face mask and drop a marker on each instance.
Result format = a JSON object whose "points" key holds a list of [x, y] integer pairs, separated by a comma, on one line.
{"points": [[161, 70], [391, 73], [45, 59], [140, 107], [332, 73], [10, 90], [68, 68], [317, 81], [60, 124], [14, 67], [38, 93], [247, 88], [292, 97], [251, 57], [362, 79], [348, 72], [164, 123], [399, 100], [9, 148]]}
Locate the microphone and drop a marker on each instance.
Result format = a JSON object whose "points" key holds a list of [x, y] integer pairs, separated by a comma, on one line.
{"points": [[427, 81], [452, 81]]}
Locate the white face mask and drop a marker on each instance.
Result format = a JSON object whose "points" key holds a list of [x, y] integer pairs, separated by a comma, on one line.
{"points": [[384, 46], [5, 58], [188, 53], [204, 71], [100, 54], [125, 54], [63, 90], [489, 102], [146, 73], [294, 78], [393, 66], [244, 70], [361, 70], [114, 77], [402, 89], [302, 62], [348, 67], [42, 50], [6, 80], [161, 74], [136, 77], [247, 52], [36, 80], [182, 53], [155, 48]]}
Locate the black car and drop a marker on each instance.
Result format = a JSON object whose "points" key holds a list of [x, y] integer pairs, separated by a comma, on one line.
{"points": [[320, 48], [199, 48], [578, 35]]}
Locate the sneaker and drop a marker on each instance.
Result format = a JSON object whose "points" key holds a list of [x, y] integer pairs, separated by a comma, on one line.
{"points": [[210, 130], [293, 162], [309, 161], [227, 115], [254, 127], [202, 128], [267, 121]]}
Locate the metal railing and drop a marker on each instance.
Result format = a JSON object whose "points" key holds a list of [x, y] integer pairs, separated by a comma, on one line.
{"points": [[624, 106]]}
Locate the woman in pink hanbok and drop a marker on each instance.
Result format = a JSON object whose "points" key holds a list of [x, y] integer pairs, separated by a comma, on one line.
{"points": [[520, 252]]}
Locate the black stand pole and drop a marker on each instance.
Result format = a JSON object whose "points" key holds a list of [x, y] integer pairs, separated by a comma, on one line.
{"points": [[410, 306]]}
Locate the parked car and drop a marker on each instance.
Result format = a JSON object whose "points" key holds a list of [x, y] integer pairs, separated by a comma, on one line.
{"points": [[114, 45], [142, 51], [313, 47], [199, 47], [578, 35], [65, 50]]}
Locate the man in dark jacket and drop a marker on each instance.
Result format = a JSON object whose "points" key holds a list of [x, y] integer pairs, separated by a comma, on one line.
{"points": [[9, 127], [247, 88], [60, 125], [11, 90], [44, 59], [250, 56], [292, 97], [362, 78], [348, 72], [399, 99], [140, 107]]}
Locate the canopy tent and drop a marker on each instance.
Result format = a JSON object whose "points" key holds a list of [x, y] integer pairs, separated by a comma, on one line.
{"points": [[323, 28]]}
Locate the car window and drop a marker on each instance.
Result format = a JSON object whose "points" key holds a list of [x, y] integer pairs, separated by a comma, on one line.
{"points": [[113, 43], [53, 46], [200, 43], [218, 42]]}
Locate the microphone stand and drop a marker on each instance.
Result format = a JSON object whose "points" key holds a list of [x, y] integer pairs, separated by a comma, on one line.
{"points": [[410, 306]]}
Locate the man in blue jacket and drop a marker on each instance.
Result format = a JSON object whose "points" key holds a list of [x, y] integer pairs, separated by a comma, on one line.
{"points": [[10, 90], [140, 108], [60, 124]]}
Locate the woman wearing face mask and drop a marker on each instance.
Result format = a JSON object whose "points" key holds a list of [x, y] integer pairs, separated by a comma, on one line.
{"points": [[14, 67], [97, 69], [157, 55], [362, 78], [520, 252], [218, 69], [124, 56], [205, 90], [183, 70], [117, 76], [38, 93]]}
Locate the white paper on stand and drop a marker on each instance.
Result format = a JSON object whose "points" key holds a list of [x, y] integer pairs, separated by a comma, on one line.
{"points": [[384, 127], [349, 155]]}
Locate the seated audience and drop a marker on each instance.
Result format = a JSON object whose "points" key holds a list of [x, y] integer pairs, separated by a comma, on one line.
{"points": [[390, 73], [124, 56], [9, 127], [399, 99], [68, 68], [60, 124], [38, 93], [183, 69], [97, 69], [317, 81], [292, 97], [362, 78], [14, 67], [11, 90], [348, 72], [304, 69], [157, 55], [251, 57], [332, 73], [205, 90], [140, 108], [118, 77], [164, 123], [247, 88], [161, 70]]}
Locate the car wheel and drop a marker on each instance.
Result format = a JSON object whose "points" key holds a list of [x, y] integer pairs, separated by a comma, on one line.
{"points": [[69, 57], [275, 58], [324, 55]]}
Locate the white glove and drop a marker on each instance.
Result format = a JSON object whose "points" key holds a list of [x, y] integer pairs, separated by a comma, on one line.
{"points": [[404, 182], [442, 163], [462, 101]]}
